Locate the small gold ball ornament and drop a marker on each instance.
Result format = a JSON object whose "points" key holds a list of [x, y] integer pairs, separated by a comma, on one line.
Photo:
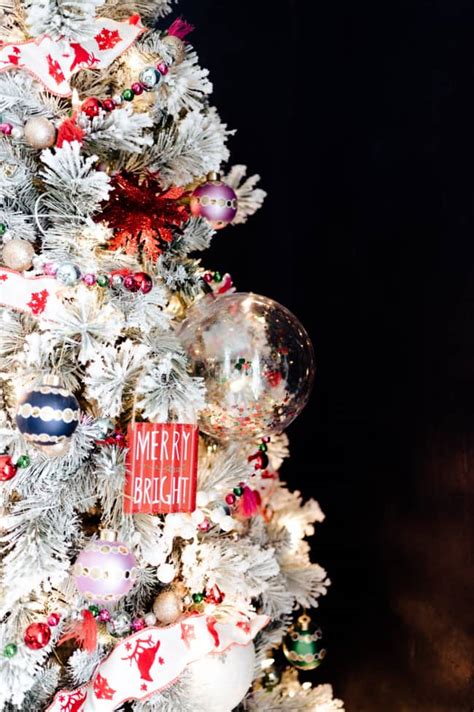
{"points": [[167, 607], [40, 132], [175, 47], [18, 255]]}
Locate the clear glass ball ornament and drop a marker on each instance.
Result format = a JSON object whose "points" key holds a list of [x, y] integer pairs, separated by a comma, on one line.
{"points": [[257, 362]]}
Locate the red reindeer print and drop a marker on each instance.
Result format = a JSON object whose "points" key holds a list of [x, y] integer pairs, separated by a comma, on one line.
{"points": [[82, 58], [187, 633], [54, 69], [38, 301], [15, 57], [107, 39], [3, 277], [72, 702], [144, 655], [102, 689]]}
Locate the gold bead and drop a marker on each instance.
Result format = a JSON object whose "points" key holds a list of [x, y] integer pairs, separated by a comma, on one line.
{"points": [[167, 607], [18, 255]]}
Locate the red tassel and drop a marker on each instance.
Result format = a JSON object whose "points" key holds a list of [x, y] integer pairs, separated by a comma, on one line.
{"points": [[180, 28], [84, 632], [249, 503], [69, 131]]}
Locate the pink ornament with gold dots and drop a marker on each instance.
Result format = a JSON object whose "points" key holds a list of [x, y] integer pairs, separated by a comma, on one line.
{"points": [[215, 201]]}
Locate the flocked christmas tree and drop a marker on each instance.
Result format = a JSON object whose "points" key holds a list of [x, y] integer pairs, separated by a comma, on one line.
{"points": [[151, 557]]}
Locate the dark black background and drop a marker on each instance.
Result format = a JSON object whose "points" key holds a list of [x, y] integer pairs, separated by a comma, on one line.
{"points": [[359, 116]]}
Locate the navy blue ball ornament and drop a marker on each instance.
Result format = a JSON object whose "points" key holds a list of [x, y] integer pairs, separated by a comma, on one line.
{"points": [[47, 416]]}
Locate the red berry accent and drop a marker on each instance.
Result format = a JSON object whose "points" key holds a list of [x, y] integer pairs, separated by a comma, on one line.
{"points": [[208, 277], [109, 104], [204, 526], [230, 499], [53, 619], [138, 88], [91, 107], [37, 636], [7, 469], [144, 281]]}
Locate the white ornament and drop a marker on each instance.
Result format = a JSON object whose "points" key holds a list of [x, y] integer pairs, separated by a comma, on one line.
{"points": [[40, 132], [166, 573], [219, 682], [227, 523], [198, 516], [217, 515], [18, 255], [202, 498], [150, 619]]}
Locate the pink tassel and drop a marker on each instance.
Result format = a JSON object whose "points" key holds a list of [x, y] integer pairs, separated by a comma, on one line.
{"points": [[249, 503], [180, 28], [84, 632]]}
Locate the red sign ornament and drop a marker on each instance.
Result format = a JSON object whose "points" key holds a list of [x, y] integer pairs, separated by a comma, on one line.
{"points": [[161, 468]]}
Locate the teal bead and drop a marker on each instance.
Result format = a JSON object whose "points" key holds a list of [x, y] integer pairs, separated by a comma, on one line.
{"points": [[198, 597], [128, 94], [95, 610], [10, 650], [3, 229], [23, 461], [238, 491], [218, 277], [262, 447], [103, 280]]}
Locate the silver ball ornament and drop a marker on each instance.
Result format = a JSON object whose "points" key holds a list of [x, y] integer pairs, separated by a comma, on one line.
{"points": [[121, 624], [18, 255], [150, 78], [39, 132], [167, 607], [68, 274]]}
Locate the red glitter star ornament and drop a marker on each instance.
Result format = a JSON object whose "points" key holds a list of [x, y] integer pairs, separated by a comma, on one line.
{"points": [[143, 215]]}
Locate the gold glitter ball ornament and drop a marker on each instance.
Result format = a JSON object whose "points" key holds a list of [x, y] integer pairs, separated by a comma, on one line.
{"points": [[18, 255], [167, 607], [40, 132]]}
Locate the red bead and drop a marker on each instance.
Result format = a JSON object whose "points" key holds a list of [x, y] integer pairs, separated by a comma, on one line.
{"points": [[104, 615], [208, 277], [138, 624], [109, 104], [53, 619], [91, 107], [204, 526], [163, 68], [37, 636], [144, 281], [137, 88], [89, 279], [6, 129], [7, 468], [130, 283], [230, 499], [261, 461]]}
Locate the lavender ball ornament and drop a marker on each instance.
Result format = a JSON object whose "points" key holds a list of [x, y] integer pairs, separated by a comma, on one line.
{"points": [[106, 570], [215, 201]]}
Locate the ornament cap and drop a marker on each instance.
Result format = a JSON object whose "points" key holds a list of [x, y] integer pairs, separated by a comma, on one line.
{"points": [[304, 622], [213, 175], [108, 535], [52, 379]]}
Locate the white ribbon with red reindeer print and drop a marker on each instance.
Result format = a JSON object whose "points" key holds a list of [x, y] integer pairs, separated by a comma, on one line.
{"points": [[38, 296], [54, 62], [148, 661]]}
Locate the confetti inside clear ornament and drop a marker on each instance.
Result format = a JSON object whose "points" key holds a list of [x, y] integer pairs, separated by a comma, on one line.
{"points": [[257, 362]]}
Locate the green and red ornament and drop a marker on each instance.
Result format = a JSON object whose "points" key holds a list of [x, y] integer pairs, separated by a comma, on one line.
{"points": [[302, 646], [48, 416]]}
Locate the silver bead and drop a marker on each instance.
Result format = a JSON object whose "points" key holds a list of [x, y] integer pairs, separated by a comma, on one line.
{"points": [[117, 280], [17, 132], [68, 274], [40, 132], [118, 98], [121, 624], [150, 78], [105, 426]]}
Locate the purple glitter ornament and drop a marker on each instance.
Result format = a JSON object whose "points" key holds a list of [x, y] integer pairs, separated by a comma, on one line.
{"points": [[104, 615], [215, 201], [50, 269], [138, 624], [106, 570]]}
